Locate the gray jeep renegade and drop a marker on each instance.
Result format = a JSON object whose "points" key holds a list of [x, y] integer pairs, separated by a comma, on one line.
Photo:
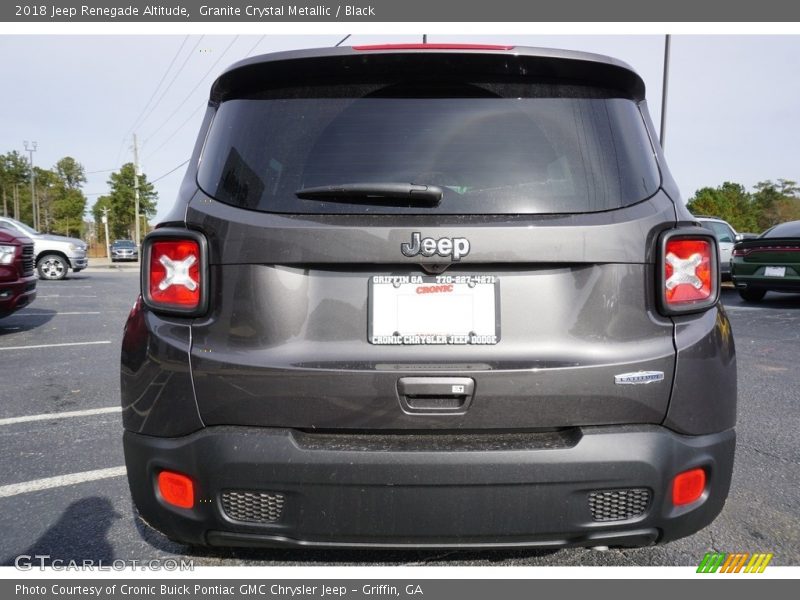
{"points": [[428, 296]]}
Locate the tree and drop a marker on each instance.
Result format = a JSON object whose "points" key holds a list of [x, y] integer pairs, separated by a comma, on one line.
{"points": [[15, 181], [71, 173], [68, 202], [730, 202], [769, 204], [68, 212], [776, 202], [97, 212], [121, 201], [47, 191]]}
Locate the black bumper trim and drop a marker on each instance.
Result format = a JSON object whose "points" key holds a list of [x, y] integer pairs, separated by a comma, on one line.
{"points": [[634, 538], [337, 497]]}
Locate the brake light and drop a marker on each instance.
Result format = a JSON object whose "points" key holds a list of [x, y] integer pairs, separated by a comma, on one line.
{"points": [[766, 248], [688, 487], [688, 270], [433, 47], [176, 489], [173, 271]]}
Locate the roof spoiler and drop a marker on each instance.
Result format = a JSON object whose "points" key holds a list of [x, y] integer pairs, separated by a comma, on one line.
{"points": [[393, 64]]}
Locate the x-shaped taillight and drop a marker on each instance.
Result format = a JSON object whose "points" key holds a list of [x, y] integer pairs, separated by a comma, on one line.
{"points": [[173, 273], [684, 271], [178, 272]]}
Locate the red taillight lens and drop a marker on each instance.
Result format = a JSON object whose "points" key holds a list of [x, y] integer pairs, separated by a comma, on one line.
{"points": [[740, 252], [689, 271], [176, 489], [688, 487], [174, 273]]}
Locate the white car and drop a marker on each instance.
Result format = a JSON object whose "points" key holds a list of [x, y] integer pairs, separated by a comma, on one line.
{"points": [[55, 254], [727, 237]]}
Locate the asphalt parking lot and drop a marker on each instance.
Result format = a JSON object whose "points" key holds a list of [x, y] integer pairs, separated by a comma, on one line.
{"points": [[63, 492]]}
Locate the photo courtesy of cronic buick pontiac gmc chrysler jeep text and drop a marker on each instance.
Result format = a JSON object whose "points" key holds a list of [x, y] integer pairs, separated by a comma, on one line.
{"points": [[428, 296]]}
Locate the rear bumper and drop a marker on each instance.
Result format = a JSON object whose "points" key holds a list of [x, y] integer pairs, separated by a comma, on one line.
{"points": [[775, 284], [432, 490], [17, 294]]}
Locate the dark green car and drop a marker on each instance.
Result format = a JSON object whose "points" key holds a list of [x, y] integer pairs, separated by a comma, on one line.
{"points": [[771, 262]]}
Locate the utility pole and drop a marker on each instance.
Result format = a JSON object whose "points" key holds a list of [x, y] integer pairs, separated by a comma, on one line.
{"points": [[34, 208], [136, 188], [664, 91], [105, 223], [16, 200]]}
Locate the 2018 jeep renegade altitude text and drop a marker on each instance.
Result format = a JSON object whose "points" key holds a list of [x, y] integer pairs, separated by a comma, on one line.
{"points": [[421, 296]]}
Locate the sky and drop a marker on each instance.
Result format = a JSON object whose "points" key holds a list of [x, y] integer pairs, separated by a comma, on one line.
{"points": [[733, 109]]}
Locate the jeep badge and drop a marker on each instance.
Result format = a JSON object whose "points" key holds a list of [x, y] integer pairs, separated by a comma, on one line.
{"points": [[455, 247]]}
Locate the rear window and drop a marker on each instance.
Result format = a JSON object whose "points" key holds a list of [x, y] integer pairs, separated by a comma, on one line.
{"points": [[492, 148], [788, 229], [721, 230]]}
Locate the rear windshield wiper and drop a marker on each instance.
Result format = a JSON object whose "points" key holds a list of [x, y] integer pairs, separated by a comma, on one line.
{"points": [[411, 193]]}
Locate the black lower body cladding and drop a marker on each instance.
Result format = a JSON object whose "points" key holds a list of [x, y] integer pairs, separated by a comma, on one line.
{"points": [[575, 487]]}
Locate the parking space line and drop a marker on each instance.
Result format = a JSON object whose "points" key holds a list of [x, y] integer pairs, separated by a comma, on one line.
{"points": [[47, 483], [22, 314], [60, 296], [60, 415], [55, 345]]}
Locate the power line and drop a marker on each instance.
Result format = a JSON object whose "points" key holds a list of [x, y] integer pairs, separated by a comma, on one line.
{"points": [[100, 171], [175, 132], [170, 172], [172, 81], [189, 95], [164, 93], [249, 52], [163, 77], [191, 116]]}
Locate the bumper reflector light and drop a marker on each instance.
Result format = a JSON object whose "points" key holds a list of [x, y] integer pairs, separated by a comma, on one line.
{"points": [[688, 487], [176, 489]]}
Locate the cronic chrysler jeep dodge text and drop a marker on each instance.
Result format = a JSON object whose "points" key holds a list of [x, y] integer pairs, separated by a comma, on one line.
{"points": [[428, 296]]}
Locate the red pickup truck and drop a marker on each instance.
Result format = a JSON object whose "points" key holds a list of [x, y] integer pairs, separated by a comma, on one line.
{"points": [[17, 278]]}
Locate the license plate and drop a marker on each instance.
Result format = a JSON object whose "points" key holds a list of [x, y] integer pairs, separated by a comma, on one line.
{"points": [[437, 310], [774, 271]]}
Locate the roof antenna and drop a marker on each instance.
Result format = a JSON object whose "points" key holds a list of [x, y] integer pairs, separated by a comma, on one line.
{"points": [[424, 38], [342, 40], [664, 89]]}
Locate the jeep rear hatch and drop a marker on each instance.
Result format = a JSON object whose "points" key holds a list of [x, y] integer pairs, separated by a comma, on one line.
{"points": [[523, 299]]}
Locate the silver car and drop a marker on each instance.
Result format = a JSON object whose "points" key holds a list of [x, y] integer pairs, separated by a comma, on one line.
{"points": [[124, 250], [55, 254]]}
